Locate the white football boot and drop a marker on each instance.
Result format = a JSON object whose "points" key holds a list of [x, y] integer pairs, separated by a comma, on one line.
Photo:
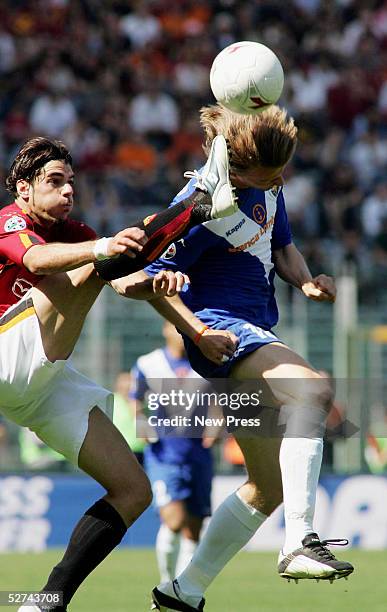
{"points": [[314, 561], [214, 179]]}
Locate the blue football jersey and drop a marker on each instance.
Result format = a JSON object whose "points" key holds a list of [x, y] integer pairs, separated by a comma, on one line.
{"points": [[150, 373], [229, 260]]}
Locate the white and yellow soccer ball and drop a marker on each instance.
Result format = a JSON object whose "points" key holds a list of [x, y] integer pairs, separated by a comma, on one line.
{"points": [[246, 77]]}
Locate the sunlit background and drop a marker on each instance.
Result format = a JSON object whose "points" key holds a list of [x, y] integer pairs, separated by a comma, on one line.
{"points": [[121, 84]]}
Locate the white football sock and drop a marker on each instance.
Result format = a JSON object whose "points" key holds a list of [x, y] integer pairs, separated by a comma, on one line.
{"points": [[186, 552], [167, 550], [229, 530], [300, 461]]}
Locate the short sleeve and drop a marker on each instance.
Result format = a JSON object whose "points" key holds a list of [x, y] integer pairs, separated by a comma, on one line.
{"points": [[16, 237], [282, 235]]}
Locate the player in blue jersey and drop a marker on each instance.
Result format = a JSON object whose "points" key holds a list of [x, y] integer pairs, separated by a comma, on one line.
{"points": [[232, 263], [178, 465]]}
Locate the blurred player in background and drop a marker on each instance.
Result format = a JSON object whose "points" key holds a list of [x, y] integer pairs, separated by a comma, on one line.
{"points": [[232, 263], [48, 283], [178, 466]]}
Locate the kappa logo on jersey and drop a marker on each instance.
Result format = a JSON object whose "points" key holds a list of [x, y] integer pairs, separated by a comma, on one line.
{"points": [[20, 287], [254, 239], [15, 224], [170, 252], [236, 227], [259, 214]]}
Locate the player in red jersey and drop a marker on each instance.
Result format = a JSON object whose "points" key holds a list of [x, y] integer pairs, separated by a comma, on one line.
{"points": [[18, 233], [47, 285]]}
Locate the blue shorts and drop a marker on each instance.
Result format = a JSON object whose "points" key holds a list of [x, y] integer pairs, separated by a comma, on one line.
{"points": [[188, 481], [251, 337]]}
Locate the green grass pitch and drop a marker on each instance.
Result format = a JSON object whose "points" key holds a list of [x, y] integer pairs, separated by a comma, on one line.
{"points": [[248, 584]]}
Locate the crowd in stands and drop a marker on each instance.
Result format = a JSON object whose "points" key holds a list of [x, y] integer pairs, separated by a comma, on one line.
{"points": [[121, 83]]}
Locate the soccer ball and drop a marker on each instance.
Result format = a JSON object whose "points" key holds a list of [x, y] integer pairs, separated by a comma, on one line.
{"points": [[246, 77]]}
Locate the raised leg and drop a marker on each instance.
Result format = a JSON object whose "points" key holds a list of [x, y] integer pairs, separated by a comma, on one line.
{"points": [[62, 302]]}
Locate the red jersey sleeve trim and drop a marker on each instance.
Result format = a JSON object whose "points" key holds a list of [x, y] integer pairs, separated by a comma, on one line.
{"points": [[14, 246]]}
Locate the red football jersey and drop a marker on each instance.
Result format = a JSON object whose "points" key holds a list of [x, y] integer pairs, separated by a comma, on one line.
{"points": [[18, 233]]}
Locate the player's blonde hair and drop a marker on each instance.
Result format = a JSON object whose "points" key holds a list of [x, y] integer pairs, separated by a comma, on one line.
{"points": [[267, 139]]}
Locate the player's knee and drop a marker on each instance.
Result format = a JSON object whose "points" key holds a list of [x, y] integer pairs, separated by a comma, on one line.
{"points": [[316, 391], [143, 497], [175, 523], [324, 393], [135, 498]]}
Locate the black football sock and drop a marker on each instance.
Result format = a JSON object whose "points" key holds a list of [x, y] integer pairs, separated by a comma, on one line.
{"points": [[161, 230], [98, 532]]}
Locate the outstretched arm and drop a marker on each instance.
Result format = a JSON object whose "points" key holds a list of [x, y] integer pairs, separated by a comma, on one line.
{"points": [[139, 286], [129, 250], [213, 343], [61, 257], [291, 266], [162, 293]]}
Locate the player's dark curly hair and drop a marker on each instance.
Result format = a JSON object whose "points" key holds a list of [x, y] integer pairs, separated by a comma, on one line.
{"points": [[33, 155]]}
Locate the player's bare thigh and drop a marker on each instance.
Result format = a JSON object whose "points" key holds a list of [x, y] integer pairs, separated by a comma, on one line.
{"points": [[291, 381], [290, 378], [62, 302]]}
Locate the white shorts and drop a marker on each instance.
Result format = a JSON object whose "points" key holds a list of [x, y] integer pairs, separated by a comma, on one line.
{"points": [[51, 399]]}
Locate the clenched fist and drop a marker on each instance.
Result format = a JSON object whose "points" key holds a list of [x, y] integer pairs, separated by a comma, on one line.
{"points": [[322, 288]]}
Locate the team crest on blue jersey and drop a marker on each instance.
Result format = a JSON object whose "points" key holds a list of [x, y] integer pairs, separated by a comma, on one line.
{"points": [[259, 214], [15, 224], [170, 252]]}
